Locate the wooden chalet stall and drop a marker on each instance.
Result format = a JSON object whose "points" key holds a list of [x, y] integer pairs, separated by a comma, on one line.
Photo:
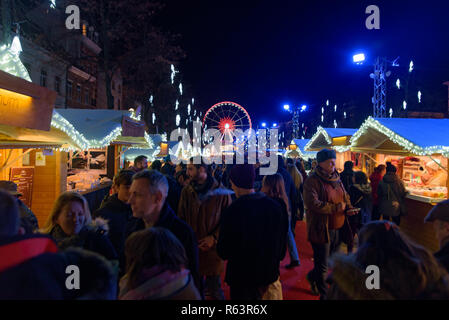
{"points": [[419, 148], [338, 139], [296, 150], [30, 145], [104, 135]]}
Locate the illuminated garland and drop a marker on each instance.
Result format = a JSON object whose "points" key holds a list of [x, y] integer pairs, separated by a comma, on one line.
{"points": [[60, 123], [341, 148], [319, 131], [10, 63], [406, 144], [149, 141]]}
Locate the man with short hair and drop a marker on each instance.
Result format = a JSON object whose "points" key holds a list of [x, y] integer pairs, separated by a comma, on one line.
{"points": [[326, 202], [439, 216], [148, 194], [201, 205], [118, 213], [140, 163], [253, 238]]}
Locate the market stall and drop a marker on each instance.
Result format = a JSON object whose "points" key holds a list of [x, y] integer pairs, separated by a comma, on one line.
{"points": [[296, 150], [419, 148], [104, 136], [338, 139]]}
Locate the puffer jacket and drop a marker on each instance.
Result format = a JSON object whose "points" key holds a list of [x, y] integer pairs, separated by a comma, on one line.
{"points": [[202, 212], [322, 193]]}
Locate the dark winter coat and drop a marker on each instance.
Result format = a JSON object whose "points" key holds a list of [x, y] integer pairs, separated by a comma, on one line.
{"points": [[91, 237], [361, 197], [443, 255], [322, 193], [391, 190], [27, 218], [253, 238], [174, 192], [346, 178], [375, 178], [201, 207], [32, 269], [289, 185], [118, 214], [182, 231]]}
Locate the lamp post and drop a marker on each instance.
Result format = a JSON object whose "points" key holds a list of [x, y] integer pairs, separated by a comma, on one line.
{"points": [[379, 76]]}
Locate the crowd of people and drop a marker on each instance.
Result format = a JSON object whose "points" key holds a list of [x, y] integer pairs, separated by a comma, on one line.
{"points": [[173, 231]]}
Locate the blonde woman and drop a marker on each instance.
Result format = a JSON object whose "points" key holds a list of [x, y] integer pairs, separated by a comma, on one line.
{"points": [[71, 225]]}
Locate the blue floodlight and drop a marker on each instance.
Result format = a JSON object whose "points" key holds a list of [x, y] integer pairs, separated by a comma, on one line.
{"points": [[358, 58], [275, 125], [286, 107], [303, 108], [264, 124]]}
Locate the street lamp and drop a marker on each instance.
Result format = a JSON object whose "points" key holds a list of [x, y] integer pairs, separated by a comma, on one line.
{"points": [[275, 125], [295, 111], [264, 124]]}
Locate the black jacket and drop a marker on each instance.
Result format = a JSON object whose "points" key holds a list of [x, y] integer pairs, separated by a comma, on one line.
{"points": [[346, 178], [119, 215], [253, 238], [443, 256], [184, 233]]}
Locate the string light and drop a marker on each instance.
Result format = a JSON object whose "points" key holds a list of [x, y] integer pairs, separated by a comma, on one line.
{"points": [[419, 96], [154, 118], [193, 101], [344, 114], [335, 123], [178, 120], [149, 140], [188, 109], [327, 103], [180, 88], [322, 118], [322, 109], [335, 108], [391, 112], [176, 104], [404, 105], [11, 63], [173, 73], [411, 67], [398, 84], [395, 138]]}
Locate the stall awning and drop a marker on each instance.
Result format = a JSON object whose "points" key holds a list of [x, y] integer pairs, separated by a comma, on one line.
{"points": [[300, 144], [335, 138], [403, 135], [98, 128]]}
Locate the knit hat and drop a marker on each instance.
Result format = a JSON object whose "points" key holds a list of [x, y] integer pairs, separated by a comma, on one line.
{"points": [[243, 176], [325, 154]]}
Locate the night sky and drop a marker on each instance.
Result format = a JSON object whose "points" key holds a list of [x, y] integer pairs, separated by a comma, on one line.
{"points": [[263, 54]]}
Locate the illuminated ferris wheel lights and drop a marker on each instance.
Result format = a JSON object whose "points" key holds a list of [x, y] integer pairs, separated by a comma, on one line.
{"points": [[227, 126]]}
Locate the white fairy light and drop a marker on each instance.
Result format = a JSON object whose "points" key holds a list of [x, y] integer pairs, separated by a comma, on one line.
{"points": [[322, 118], [404, 105], [173, 73], [193, 101], [180, 89], [188, 109], [53, 4], [176, 105], [390, 112], [398, 84], [322, 109], [411, 67], [344, 114], [178, 119], [335, 108], [327, 102], [419, 96], [151, 99], [16, 47], [154, 118], [194, 112], [335, 123], [164, 136]]}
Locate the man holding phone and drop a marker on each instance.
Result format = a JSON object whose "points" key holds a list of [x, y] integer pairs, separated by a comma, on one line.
{"points": [[326, 202]]}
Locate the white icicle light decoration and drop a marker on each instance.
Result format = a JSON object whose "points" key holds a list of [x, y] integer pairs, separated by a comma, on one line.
{"points": [[335, 108], [178, 120], [180, 88], [188, 109], [398, 84], [341, 148], [154, 118], [322, 118], [322, 109], [404, 105], [151, 99], [419, 96], [395, 138], [344, 114], [176, 105], [411, 67], [327, 103], [390, 112], [149, 140], [173, 73], [335, 123], [164, 136], [193, 101], [318, 132], [10, 62], [194, 112]]}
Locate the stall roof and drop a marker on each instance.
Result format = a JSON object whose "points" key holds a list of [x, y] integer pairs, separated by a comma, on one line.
{"points": [[417, 136], [323, 138], [301, 144]]}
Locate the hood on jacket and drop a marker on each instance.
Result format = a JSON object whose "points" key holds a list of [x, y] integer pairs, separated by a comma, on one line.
{"points": [[364, 188], [390, 177]]}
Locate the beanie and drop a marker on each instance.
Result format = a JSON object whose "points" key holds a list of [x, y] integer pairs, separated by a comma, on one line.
{"points": [[325, 154], [243, 176]]}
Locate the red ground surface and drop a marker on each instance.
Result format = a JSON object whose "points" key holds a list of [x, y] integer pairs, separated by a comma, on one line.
{"points": [[294, 283]]}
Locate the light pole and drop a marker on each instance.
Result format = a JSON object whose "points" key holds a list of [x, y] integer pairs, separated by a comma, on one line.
{"points": [[295, 120], [379, 76]]}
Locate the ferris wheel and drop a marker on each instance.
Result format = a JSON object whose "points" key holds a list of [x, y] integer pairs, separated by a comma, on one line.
{"points": [[226, 117]]}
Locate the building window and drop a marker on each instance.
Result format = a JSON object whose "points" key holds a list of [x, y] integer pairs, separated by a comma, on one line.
{"points": [[43, 78], [58, 85], [69, 89], [86, 96], [78, 93]]}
